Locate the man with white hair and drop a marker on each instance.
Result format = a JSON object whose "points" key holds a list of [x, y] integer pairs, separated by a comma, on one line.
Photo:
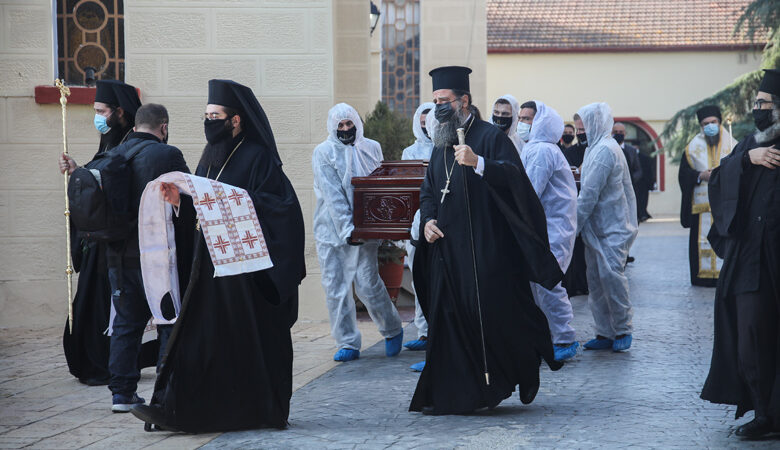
{"points": [[346, 153], [606, 217]]}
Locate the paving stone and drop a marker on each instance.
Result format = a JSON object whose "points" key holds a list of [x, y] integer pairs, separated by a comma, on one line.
{"points": [[647, 397]]}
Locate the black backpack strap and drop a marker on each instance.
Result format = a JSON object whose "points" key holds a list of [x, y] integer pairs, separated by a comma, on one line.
{"points": [[137, 149]]}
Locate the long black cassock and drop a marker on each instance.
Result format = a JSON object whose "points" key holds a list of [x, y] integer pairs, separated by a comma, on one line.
{"points": [[511, 246], [745, 202], [229, 358]]}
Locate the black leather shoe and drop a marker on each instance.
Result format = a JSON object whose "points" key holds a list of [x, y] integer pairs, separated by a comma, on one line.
{"points": [[151, 415], [528, 395], [428, 411], [756, 428]]}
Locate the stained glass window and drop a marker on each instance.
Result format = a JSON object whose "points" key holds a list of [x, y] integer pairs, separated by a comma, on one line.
{"points": [[90, 33], [401, 55]]}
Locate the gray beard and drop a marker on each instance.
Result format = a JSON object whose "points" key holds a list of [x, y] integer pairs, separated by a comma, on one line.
{"points": [[771, 133], [446, 134], [712, 141]]}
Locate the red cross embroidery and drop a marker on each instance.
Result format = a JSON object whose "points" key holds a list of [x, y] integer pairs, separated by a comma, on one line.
{"points": [[222, 244], [249, 240], [235, 196], [208, 201]]}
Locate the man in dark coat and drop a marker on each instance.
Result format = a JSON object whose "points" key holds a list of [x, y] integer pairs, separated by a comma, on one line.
{"points": [[646, 184], [86, 346], [744, 195], [485, 240], [229, 359]]}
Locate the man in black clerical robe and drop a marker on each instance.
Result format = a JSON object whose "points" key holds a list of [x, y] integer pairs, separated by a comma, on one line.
{"points": [[744, 195], [575, 279], [489, 223], [229, 358], [700, 157], [86, 347]]}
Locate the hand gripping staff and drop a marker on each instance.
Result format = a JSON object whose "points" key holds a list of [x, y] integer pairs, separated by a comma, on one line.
{"points": [[462, 141]]}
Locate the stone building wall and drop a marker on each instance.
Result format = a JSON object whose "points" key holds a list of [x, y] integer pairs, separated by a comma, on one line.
{"points": [[299, 57]]}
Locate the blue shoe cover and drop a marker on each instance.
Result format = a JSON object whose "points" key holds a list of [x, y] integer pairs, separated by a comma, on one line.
{"points": [[417, 344], [393, 344], [418, 367], [567, 352], [346, 354], [622, 344], [598, 344]]}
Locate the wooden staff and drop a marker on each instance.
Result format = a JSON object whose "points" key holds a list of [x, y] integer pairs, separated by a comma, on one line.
{"points": [[64, 93], [462, 141]]}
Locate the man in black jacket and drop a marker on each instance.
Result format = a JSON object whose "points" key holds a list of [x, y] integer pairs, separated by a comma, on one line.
{"points": [[149, 157], [124, 268]]}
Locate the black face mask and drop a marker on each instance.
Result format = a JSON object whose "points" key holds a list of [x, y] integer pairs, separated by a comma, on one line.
{"points": [[582, 138], [347, 137], [425, 132], [762, 118], [503, 123], [619, 138], [567, 138], [216, 130], [444, 112]]}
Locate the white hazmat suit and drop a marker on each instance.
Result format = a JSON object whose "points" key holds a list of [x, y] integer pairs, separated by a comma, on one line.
{"points": [[553, 182], [420, 149], [606, 218], [513, 136], [334, 164]]}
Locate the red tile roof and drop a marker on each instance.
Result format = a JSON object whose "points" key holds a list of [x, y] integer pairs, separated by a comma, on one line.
{"points": [[612, 25]]}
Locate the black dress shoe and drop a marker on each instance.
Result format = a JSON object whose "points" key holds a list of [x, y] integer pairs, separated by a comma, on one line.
{"points": [[630, 259], [151, 415], [760, 426]]}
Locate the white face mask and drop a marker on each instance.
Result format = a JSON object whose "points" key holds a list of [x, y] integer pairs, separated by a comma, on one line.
{"points": [[523, 129]]}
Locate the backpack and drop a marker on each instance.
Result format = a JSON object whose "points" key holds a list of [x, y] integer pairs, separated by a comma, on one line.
{"points": [[99, 193]]}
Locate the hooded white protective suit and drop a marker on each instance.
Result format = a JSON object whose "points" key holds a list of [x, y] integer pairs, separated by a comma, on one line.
{"points": [[553, 182], [513, 136], [606, 217], [334, 164], [421, 149]]}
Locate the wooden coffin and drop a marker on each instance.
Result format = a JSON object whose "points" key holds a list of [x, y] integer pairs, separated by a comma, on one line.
{"points": [[385, 201]]}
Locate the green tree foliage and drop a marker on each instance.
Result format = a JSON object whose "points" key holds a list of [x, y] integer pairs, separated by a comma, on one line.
{"points": [[760, 19], [392, 130]]}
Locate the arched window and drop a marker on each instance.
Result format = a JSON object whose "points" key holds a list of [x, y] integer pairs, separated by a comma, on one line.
{"points": [[641, 135], [90, 34], [401, 55]]}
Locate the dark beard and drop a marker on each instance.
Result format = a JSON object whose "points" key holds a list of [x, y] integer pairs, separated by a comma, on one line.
{"points": [[712, 141], [215, 155], [446, 134], [114, 136]]}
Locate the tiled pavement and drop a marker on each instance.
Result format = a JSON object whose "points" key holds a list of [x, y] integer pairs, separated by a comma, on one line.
{"points": [[644, 398]]}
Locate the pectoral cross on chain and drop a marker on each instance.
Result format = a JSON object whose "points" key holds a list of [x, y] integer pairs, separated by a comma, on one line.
{"points": [[445, 191]]}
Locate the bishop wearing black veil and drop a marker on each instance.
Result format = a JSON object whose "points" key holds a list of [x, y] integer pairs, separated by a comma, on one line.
{"points": [[229, 358], [485, 240], [744, 193]]}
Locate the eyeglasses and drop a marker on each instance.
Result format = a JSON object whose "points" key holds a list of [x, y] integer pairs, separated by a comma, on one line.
{"points": [[759, 104], [213, 116]]}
